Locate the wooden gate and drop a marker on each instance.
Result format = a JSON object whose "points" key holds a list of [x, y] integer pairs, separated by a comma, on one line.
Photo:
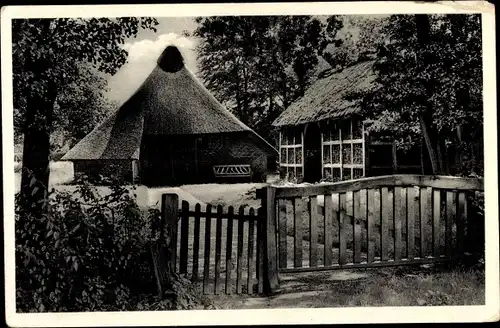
{"points": [[371, 222], [220, 250]]}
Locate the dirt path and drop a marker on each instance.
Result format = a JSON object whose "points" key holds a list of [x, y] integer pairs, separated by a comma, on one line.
{"points": [[307, 289], [394, 286]]}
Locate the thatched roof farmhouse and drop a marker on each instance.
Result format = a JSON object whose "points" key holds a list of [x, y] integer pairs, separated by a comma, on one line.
{"points": [[323, 137], [172, 131]]}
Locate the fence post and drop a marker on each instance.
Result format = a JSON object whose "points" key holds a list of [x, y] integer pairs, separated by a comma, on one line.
{"points": [[163, 251], [270, 258], [170, 213]]}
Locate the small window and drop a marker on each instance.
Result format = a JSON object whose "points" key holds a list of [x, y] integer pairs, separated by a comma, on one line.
{"points": [[346, 154], [345, 126], [336, 154], [334, 130], [358, 173], [335, 174], [346, 174], [291, 156], [300, 175], [298, 155], [357, 129], [358, 153], [283, 155], [327, 159], [327, 174]]}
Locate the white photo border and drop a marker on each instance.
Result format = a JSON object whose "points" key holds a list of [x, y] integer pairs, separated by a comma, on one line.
{"points": [[480, 313]]}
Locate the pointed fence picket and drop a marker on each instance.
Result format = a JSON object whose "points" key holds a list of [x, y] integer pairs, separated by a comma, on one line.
{"points": [[219, 248]]}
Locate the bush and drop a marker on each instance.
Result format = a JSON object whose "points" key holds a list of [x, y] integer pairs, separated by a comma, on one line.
{"points": [[86, 252]]}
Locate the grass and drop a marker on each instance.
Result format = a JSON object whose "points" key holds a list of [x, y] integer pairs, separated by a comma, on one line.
{"points": [[403, 286]]}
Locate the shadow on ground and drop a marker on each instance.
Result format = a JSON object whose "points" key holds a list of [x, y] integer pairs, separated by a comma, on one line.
{"points": [[403, 286]]}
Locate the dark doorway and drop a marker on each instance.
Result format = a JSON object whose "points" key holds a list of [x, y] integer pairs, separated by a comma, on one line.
{"points": [[312, 153], [169, 160]]}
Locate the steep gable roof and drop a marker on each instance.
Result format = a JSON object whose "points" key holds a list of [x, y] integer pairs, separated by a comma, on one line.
{"points": [[171, 101]]}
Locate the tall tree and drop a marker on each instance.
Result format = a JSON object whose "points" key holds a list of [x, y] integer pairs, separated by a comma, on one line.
{"points": [[257, 66], [428, 81], [357, 38], [47, 54]]}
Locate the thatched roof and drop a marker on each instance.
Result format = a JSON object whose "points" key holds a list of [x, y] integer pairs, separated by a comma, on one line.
{"points": [[171, 101], [328, 97]]}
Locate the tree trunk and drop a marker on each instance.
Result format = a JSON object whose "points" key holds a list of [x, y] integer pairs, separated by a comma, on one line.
{"points": [[441, 154], [422, 163], [300, 72], [246, 116], [430, 147], [428, 131], [36, 148]]}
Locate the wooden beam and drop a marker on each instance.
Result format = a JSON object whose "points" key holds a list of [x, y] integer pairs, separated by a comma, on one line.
{"points": [[280, 147], [170, 215], [331, 147], [322, 155], [394, 158], [302, 135], [388, 263], [336, 142], [341, 154], [440, 182], [352, 151], [422, 165], [363, 147], [271, 263], [286, 153]]}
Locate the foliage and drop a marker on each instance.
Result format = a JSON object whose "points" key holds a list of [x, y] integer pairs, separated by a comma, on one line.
{"points": [[51, 57], [89, 251], [428, 72], [360, 36], [79, 107], [258, 65], [478, 203]]}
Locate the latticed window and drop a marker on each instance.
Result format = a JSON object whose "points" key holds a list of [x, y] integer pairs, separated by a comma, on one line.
{"points": [[291, 153], [343, 149]]}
